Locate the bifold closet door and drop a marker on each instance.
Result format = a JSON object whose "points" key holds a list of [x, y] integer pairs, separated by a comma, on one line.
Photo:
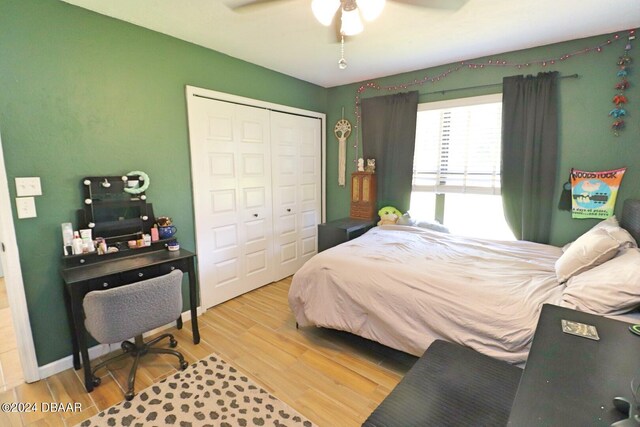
{"points": [[231, 171], [297, 197]]}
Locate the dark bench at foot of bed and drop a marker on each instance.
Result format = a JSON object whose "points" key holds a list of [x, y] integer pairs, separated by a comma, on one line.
{"points": [[450, 385]]}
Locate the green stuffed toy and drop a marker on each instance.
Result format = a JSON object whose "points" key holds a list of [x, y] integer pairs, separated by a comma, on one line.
{"points": [[388, 215]]}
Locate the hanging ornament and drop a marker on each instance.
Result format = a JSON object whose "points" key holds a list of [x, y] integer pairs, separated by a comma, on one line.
{"points": [[342, 130], [494, 62], [620, 98], [342, 63]]}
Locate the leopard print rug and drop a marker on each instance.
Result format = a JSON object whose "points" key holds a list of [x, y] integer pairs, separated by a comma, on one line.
{"points": [[208, 393]]}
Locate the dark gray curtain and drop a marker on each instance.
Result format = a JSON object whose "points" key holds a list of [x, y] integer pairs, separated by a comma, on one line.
{"points": [[529, 153], [389, 136]]}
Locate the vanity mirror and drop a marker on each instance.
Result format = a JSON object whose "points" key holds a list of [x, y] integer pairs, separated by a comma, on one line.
{"points": [[115, 207]]}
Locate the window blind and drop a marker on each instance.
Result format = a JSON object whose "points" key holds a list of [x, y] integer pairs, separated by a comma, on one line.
{"points": [[458, 148]]}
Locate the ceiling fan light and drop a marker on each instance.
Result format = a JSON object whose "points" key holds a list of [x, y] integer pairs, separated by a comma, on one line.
{"points": [[351, 23], [324, 10], [370, 9]]}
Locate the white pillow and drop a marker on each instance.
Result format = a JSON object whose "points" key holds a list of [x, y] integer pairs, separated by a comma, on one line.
{"points": [[611, 225], [406, 220], [623, 236], [611, 288], [433, 225], [592, 248]]}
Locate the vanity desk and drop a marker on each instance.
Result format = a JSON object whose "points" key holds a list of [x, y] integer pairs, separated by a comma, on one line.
{"points": [[88, 272], [129, 267]]}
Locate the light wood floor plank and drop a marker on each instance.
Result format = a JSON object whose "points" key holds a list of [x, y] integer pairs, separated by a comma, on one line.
{"points": [[331, 377]]}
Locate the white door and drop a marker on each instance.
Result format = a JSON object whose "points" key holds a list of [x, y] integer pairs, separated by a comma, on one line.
{"points": [[231, 170], [296, 163]]}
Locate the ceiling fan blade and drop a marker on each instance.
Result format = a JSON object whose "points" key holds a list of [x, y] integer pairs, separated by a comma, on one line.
{"points": [[247, 5], [435, 4]]}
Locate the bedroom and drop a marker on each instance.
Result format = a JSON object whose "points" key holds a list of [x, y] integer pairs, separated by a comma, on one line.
{"points": [[74, 81]]}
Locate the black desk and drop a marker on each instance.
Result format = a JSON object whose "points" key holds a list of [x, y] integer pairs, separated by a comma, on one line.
{"points": [[570, 380], [83, 274]]}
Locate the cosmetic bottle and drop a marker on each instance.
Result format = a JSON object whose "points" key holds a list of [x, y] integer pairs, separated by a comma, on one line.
{"points": [[67, 237], [76, 243]]}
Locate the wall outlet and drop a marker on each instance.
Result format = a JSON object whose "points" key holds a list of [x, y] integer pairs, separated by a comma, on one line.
{"points": [[26, 207], [28, 186]]}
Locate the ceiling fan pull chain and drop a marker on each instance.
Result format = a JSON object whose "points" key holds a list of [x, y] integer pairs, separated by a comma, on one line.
{"points": [[342, 63]]}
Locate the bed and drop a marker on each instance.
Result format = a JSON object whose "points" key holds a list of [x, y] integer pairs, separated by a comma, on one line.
{"points": [[406, 286]]}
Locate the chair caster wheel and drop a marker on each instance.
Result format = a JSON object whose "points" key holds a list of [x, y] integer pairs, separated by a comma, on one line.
{"points": [[129, 395], [184, 365], [173, 343], [96, 381]]}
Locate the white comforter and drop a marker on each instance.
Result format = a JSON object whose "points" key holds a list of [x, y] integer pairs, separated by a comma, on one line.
{"points": [[405, 287]]}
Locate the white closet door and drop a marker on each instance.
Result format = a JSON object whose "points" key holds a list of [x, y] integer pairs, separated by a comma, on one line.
{"points": [[231, 170], [296, 163]]}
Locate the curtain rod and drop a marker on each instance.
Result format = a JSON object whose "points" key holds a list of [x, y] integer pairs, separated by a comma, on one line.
{"points": [[443, 91]]}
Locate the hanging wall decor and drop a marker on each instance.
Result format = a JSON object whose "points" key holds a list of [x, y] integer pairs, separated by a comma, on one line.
{"points": [[476, 66], [593, 194], [620, 99], [342, 130]]}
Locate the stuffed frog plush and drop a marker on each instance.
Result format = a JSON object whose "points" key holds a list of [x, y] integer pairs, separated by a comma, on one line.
{"points": [[388, 215]]}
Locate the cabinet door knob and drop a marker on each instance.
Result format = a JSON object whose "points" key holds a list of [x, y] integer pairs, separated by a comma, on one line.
{"points": [[288, 209], [82, 261], [256, 215], [105, 285], [140, 274], [172, 268]]}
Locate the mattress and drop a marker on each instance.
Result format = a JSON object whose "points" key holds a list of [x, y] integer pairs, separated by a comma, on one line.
{"points": [[406, 287]]}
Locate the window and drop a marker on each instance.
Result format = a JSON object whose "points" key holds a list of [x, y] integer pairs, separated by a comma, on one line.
{"points": [[456, 168]]}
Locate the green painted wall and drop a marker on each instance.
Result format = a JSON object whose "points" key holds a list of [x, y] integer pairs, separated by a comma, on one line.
{"points": [[586, 141], [82, 94]]}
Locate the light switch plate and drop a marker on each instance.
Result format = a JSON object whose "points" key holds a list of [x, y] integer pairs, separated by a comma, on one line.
{"points": [[26, 207], [28, 186]]}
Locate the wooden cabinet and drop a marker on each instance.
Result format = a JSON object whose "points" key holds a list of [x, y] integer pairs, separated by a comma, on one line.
{"points": [[363, 195], [342, 230]]}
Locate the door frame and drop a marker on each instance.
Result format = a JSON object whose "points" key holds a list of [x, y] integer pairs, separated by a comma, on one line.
{"points": [[14, 282]]}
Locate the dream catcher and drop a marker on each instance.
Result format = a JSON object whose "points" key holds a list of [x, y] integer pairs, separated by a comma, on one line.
{"points": [[342, 131]]}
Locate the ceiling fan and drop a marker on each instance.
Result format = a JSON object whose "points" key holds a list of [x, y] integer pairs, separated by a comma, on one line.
{"points": [[351, 11]]}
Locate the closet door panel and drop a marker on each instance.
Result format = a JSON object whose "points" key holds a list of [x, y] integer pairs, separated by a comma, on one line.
{"points": [[231, 169], [297, 193]]}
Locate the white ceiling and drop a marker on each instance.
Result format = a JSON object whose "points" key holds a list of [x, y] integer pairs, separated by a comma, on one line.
{"points": [[284, 36]]}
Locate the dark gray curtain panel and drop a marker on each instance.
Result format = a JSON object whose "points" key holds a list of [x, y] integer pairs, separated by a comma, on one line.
{"points": [[389, 136], [529, 153]]}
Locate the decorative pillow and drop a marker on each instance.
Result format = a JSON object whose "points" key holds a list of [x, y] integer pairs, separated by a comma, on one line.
{"points": [[592, 248], [611, 288]]}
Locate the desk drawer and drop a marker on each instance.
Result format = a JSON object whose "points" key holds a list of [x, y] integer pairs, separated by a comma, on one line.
{"points": [[140, 274], [106, 282], [176, 265]]}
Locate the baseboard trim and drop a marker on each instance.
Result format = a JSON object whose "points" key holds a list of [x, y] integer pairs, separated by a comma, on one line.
{"points": [[101, 349]]}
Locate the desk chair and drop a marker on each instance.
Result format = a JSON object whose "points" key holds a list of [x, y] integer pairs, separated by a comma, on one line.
{"points": [[117, 314]]}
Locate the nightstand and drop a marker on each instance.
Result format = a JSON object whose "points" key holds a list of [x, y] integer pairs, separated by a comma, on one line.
{"points": [[333, 233]]}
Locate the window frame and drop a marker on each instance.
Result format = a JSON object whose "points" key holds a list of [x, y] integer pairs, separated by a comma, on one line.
{"points": [[446, 104]]}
